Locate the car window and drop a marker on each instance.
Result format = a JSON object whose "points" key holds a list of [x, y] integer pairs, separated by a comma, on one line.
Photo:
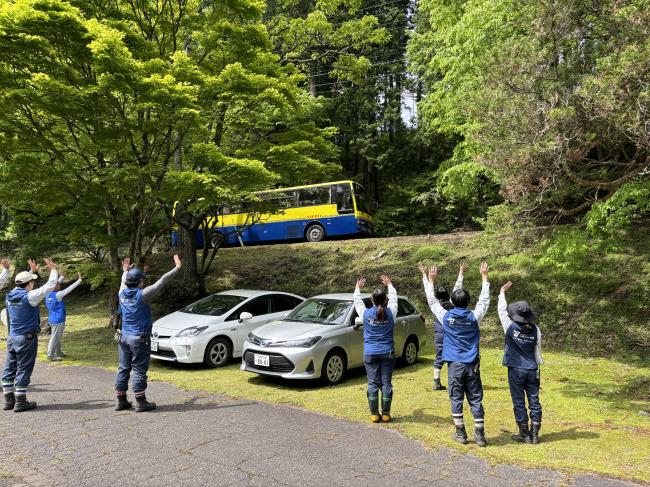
{"points": [[214, 305], [404, 308], [256, 307], [324, 311], [282, 302]]}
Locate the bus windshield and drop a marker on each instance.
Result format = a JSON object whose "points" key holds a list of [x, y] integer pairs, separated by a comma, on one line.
{"points": [[362, 199]]}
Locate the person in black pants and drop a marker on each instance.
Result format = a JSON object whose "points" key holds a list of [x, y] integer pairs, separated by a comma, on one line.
{"points": [[522, 356]]}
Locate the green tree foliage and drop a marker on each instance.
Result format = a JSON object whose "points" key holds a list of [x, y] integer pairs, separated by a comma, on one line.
{"points": [[552, 95]]}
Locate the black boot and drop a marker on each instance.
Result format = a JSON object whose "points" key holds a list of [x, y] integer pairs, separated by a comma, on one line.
{"points": [[385, 407], [437, 386], [142, 405], [10, 401], [479, 437], [534, 433], [122, 403], [460, 435], [22, 404], [524, 434], [373, 403]]}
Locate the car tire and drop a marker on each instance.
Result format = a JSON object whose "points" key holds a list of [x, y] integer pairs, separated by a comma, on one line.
{"points": [[410, 354], [218, 353], [334, 368], [315, 233]]}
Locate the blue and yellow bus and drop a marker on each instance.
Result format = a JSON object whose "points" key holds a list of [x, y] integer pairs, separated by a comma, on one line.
{"points": [[312, 212]]}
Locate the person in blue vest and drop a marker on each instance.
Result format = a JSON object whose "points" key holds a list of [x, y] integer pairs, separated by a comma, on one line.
{"points": [[57, 315], [461, 352], [523, 356], [378, 346], [135, 339], [22, 342], [438, 333]]}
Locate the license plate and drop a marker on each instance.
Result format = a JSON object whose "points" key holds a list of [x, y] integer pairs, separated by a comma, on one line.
{"points": [[262, 360], [154, 346]]}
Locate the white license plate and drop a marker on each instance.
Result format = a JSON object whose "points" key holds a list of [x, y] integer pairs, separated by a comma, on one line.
{"points": [[154, 346], [262, 360]]}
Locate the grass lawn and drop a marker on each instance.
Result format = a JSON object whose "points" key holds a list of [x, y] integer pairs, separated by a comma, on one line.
{"points": [[591, 405]]}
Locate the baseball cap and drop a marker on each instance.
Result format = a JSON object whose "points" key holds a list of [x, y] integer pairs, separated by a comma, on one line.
{"points": [[134, 275], [24, 277]]}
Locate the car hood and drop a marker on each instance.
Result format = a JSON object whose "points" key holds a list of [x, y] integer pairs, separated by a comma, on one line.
{"points": [[290, 330], [179, 321]]}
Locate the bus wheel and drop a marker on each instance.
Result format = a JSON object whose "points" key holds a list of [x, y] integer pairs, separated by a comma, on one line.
{"points": [[315, 233]]}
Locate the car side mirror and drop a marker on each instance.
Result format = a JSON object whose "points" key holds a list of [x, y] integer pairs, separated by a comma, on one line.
{"points": [[285, 314], [358, 323], [245, 316]]}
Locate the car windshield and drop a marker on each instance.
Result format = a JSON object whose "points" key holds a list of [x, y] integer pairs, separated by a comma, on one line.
{"points": [[214, 305], [324, 311]]}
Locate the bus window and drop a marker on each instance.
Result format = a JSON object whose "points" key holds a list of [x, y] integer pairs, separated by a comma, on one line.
{"points": [[314, 196], [343, 196], [361, 198]]}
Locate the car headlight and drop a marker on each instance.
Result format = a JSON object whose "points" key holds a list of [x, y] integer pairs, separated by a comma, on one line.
{"points": [[302, 343], [192, 331]]}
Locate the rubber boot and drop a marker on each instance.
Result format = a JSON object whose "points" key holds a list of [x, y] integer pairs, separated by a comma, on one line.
{"points": [[10, 401], [479, 437], [524, 434], [460, 435], [373, 403], [385, 407], [122, 403], [437, 386], [22, 404], [534, 433], [142, 405]]}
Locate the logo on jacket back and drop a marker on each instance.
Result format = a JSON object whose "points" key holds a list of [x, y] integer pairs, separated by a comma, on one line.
{"points": [[522, 337], [459, 323]]}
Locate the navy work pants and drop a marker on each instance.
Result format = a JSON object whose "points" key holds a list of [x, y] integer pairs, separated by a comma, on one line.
{"points": [[465, 381], [525, 382], [19, 364], [380, 373], [134, 354], [438, 338]]}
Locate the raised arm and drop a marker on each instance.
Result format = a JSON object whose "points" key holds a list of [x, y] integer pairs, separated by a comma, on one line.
{"points": [[392, 295], [428, 282], [4, 276], [149, 292], [62, 294], [461, 274], [359, 305], [538, 348], [37, 295], [502, 307], [484, 298], [126, 265]]}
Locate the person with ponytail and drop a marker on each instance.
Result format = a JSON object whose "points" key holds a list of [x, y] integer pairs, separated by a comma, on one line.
{"points": [[378, 346]]}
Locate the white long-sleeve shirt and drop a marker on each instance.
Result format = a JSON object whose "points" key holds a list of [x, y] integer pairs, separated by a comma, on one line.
{"points": [[360, 306], [439, 312], [150, 292], [35, 296], [62, 294], [4, 277], [506, 322]]}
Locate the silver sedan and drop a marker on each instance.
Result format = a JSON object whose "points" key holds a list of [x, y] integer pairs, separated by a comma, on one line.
{"points": [[323, 338]]}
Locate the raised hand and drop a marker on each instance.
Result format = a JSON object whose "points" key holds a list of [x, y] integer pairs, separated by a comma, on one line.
{"points": [[422, 268], [433, 273], [484, 269], [361, 282], [506, 287], [126, 264], [50, 264], [385, 280], [177, 261], [33, 266], [463, 267], [5, 263]]}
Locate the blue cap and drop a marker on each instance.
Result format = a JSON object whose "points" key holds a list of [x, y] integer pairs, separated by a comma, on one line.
{"points": [[134, 275]]}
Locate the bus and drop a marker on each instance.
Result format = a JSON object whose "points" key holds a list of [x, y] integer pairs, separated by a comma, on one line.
{"points": [[312, 212]]}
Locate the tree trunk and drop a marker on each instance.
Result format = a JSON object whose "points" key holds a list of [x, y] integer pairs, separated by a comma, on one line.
{"points": [[194, 281]]}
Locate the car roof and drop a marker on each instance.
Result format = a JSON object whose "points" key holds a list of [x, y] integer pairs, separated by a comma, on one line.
{"points": [[253, 293], [348, 296]]}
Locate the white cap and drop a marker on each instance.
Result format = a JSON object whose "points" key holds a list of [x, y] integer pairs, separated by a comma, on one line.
{"points": [[24, 277]]}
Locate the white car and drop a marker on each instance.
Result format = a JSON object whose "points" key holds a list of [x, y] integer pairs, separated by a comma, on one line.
{"points": [[213, 329]]}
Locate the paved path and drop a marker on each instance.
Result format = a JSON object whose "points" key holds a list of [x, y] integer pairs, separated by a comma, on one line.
{"points": [[200, 439]]}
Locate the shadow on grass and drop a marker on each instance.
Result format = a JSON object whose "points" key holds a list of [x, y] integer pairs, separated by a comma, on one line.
{"points": [[421, 416], [633, 389], [571, 434]]}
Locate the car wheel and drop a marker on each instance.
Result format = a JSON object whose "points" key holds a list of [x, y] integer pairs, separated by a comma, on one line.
{"points": [[218, 353], [410, 355], [315, 233], [334, 367]]}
